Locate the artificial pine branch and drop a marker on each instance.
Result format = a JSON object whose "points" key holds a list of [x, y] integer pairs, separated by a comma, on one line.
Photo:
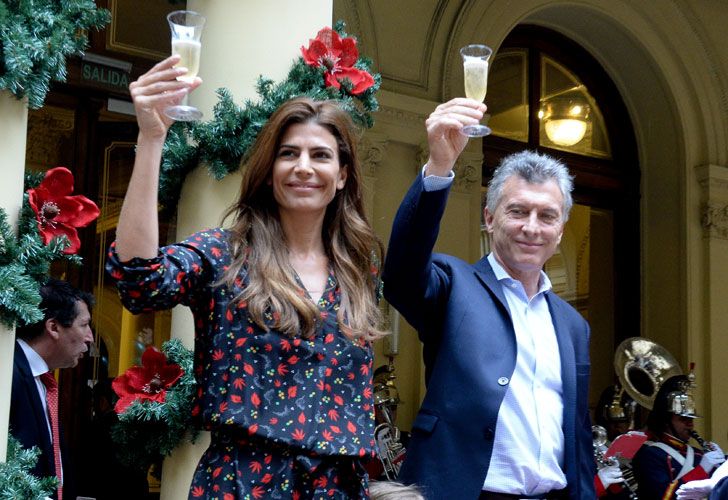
{"points": [[16, 481], [36, 38], [19, 297]]}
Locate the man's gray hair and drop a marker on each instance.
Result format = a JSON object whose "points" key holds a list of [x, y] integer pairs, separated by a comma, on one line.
{"points": [[533, 168]]}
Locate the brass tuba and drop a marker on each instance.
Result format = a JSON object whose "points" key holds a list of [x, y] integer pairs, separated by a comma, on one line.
{"points": [[642, 366]]}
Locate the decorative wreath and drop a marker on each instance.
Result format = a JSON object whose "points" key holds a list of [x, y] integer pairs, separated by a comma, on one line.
{"points": [[154, 405], [329, 68], [47, 231]]}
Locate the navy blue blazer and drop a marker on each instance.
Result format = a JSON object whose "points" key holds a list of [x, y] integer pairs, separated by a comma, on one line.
{"points": [[27, 419], [720, 492], [469, 346]]}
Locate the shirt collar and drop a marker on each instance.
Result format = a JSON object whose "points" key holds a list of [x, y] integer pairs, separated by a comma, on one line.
{"points": [[544, 283], [38, 366]]}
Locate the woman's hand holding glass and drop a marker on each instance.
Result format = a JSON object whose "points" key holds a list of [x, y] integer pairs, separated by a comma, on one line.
{"points": [[157, 90]]}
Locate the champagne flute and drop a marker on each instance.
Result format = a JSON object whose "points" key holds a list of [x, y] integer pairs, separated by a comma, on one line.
{"points": [[475, 68], [186, 27]]}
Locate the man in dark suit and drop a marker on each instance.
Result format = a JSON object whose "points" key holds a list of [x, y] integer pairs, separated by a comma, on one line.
{"points": [[506, 360], [58, 341]]}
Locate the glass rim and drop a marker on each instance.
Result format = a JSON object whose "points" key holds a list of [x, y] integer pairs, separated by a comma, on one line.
{"points": [[485, 51], [191, 13]]}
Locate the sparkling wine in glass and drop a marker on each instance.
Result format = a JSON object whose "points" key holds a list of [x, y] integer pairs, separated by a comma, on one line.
{"points": [[475, 69], [186, 27]]}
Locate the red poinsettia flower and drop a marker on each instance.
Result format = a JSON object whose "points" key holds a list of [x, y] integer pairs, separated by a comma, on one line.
{"points": [[58, 212], [149, 381], [338, 55]]}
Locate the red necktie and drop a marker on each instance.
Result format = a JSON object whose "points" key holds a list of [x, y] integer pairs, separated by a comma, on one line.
{"points": [[52, 401]]}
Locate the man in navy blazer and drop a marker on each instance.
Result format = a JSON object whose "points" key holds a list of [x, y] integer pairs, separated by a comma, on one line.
{"points": [[507, 365], [58, 341]]}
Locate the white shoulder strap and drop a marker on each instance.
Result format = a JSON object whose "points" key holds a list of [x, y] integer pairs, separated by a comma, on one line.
{"points": [[686, 462]]}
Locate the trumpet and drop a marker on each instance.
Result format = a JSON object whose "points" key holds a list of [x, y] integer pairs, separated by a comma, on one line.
{"points": [[599, 443]]}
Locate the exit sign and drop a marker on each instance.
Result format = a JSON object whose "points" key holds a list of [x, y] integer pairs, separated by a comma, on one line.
{"points": [[105, 76]]}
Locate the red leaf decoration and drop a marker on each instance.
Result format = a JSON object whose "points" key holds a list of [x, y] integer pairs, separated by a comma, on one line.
{"points": [[338, 55], [57, 211], [147, 382]]}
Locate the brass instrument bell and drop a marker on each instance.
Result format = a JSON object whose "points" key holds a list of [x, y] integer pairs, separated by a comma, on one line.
{"points": [[642, 367]]}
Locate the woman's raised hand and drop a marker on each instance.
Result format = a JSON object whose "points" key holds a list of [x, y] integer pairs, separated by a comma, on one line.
{"points": [[156, 90]]}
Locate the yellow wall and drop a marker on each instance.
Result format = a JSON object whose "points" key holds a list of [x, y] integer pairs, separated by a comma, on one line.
{"points": [[12, 157]]}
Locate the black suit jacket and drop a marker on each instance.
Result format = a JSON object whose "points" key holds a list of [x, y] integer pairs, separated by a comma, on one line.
{"points": [[27, 419], [28, 425], [469, 350]]}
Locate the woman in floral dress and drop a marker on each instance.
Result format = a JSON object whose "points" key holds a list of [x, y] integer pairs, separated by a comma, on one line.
{"points": [[284, 301]]}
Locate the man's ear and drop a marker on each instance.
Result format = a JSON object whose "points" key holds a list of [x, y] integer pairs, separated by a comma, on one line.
{"points": [[488, 218], [51, 328]]}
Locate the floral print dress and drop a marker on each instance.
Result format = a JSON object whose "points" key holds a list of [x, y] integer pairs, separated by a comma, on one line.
{"points": [[290, 417]]}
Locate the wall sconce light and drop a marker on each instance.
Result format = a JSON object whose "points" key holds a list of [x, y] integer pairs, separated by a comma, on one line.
{"points": [[565, 119]]}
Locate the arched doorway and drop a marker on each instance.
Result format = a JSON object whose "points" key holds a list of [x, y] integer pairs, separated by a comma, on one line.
{"points": [[546, 93]]}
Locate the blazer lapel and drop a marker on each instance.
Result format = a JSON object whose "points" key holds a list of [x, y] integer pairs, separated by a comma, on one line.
{"points": [[485, 274], [31, 390], [568, 375]]}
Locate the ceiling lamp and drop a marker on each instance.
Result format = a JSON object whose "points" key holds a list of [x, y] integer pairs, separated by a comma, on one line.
{"points": [[565, 119]]}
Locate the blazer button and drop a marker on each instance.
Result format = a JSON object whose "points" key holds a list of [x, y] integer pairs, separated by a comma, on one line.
{"points": [[488, 433], [503, 381]]}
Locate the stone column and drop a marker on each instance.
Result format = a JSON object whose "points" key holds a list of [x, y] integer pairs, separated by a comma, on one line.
{"points": [[241, 41], [712, 397], [372, 150], [13, 129]]}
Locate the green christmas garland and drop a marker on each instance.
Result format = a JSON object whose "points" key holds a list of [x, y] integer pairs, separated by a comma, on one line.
{"points": [[16, 481], [25, 263], [36, 37], [147, 430], [224, 141]]}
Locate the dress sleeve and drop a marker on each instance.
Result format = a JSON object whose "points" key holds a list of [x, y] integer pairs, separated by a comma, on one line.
{"points": [[179, 274]]}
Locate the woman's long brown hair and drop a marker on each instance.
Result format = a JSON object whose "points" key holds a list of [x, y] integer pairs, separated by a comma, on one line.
{"points": [[259, 246]]}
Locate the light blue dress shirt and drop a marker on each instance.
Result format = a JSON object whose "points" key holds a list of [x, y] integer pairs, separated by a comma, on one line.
{"points": [[528, 449]]}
